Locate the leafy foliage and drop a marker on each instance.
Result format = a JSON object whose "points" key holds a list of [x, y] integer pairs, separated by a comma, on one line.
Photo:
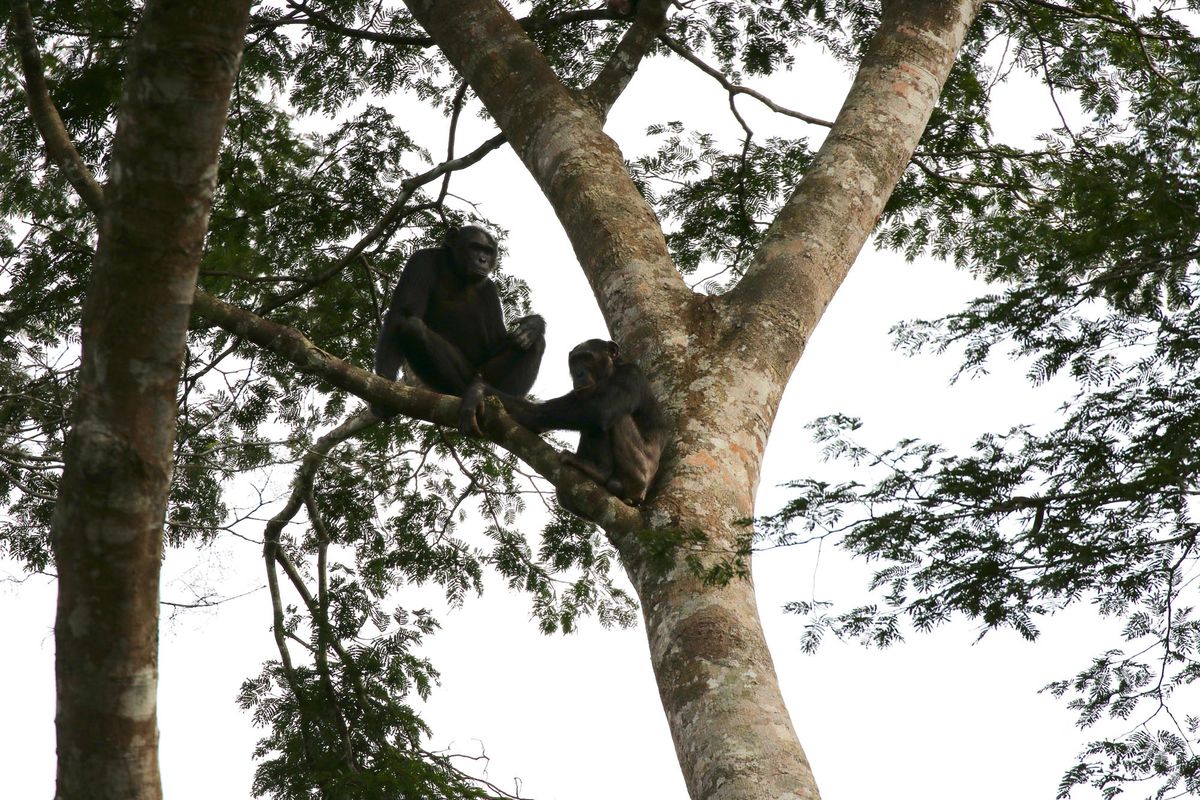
{"points": [[722, 202], [1090, 240]]}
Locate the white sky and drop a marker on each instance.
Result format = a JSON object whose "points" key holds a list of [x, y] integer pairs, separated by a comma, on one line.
{"points": [[578, 717]]}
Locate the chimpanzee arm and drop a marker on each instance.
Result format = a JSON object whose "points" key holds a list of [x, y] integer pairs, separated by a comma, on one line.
{"points": [[492, 314], [594, 409]]}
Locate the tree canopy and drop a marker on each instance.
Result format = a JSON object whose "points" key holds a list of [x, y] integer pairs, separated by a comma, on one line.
{"points": [[326, 182]]}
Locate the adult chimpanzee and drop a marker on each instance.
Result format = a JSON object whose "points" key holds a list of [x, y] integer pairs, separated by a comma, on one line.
{"points": [[620, 423], [446, 324]]}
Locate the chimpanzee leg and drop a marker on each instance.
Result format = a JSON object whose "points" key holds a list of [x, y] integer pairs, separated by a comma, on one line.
{"points": [[514, 370], [438, 363], [593, 456], [635, 460]]}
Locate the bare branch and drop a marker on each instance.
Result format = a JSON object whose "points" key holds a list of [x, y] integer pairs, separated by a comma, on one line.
{"points": [[456, 111], [279, 630], [208, 601], [733, 88], [41, 106]]}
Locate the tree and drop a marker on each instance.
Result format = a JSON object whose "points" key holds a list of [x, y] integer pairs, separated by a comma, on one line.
{"points": [[782, 222], [106, 529]]}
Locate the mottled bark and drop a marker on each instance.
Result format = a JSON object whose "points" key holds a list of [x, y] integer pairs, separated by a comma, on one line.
{"points": [[732, 732], [727, 716], [107, 527], [820, 231], [719, 363]]}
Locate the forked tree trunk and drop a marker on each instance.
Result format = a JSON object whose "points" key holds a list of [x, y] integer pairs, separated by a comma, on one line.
{"points": [[731, 729], [108, 522], [720, 364]]}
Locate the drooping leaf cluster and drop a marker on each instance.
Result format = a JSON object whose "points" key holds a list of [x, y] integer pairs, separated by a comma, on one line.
{"points": [[1088, 234]]}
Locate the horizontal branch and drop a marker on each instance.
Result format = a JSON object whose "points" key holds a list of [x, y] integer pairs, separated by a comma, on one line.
{"points": [[607, 511]]}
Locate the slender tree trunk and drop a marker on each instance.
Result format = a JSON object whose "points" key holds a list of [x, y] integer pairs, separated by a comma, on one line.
{"points": [[107, 527]]}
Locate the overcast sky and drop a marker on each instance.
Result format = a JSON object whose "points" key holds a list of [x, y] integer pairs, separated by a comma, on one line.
{"points": [[578, 717]]}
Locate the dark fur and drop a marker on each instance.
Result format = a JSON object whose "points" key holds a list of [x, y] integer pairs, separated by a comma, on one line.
{"points": [[445, 323], [620, 423]]}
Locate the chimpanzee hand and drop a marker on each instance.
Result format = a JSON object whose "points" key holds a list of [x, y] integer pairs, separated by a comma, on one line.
{"points": [[470, 408], [527, 330]]}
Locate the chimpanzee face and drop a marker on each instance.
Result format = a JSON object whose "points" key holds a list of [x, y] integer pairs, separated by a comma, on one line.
{"points": [[592, 362], [474, 252]]}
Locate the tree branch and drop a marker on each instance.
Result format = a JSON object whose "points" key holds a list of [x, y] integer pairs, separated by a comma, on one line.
{"points": [[290, 676], [650, 22], [311, 462], [41, 107], [677, 47], [287, 343], [821, 229]]}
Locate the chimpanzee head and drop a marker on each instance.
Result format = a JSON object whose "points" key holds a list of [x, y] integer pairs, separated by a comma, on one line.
{"points": [[592, 362], [473, 251]]}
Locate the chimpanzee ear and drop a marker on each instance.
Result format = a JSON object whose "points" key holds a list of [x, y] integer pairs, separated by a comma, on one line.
{"points": [[451, 237], [614, 350]]}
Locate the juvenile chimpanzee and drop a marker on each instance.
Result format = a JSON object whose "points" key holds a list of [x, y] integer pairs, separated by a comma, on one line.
{"points": [[620, 423], [445, 322]]}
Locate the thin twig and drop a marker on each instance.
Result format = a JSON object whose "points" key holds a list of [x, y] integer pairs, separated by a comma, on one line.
{"points": [[734, 88]]}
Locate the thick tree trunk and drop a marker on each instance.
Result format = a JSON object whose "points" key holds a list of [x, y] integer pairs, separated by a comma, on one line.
{"points": [[731, 728], [732, 733], [719, 364], [107, 527]]}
